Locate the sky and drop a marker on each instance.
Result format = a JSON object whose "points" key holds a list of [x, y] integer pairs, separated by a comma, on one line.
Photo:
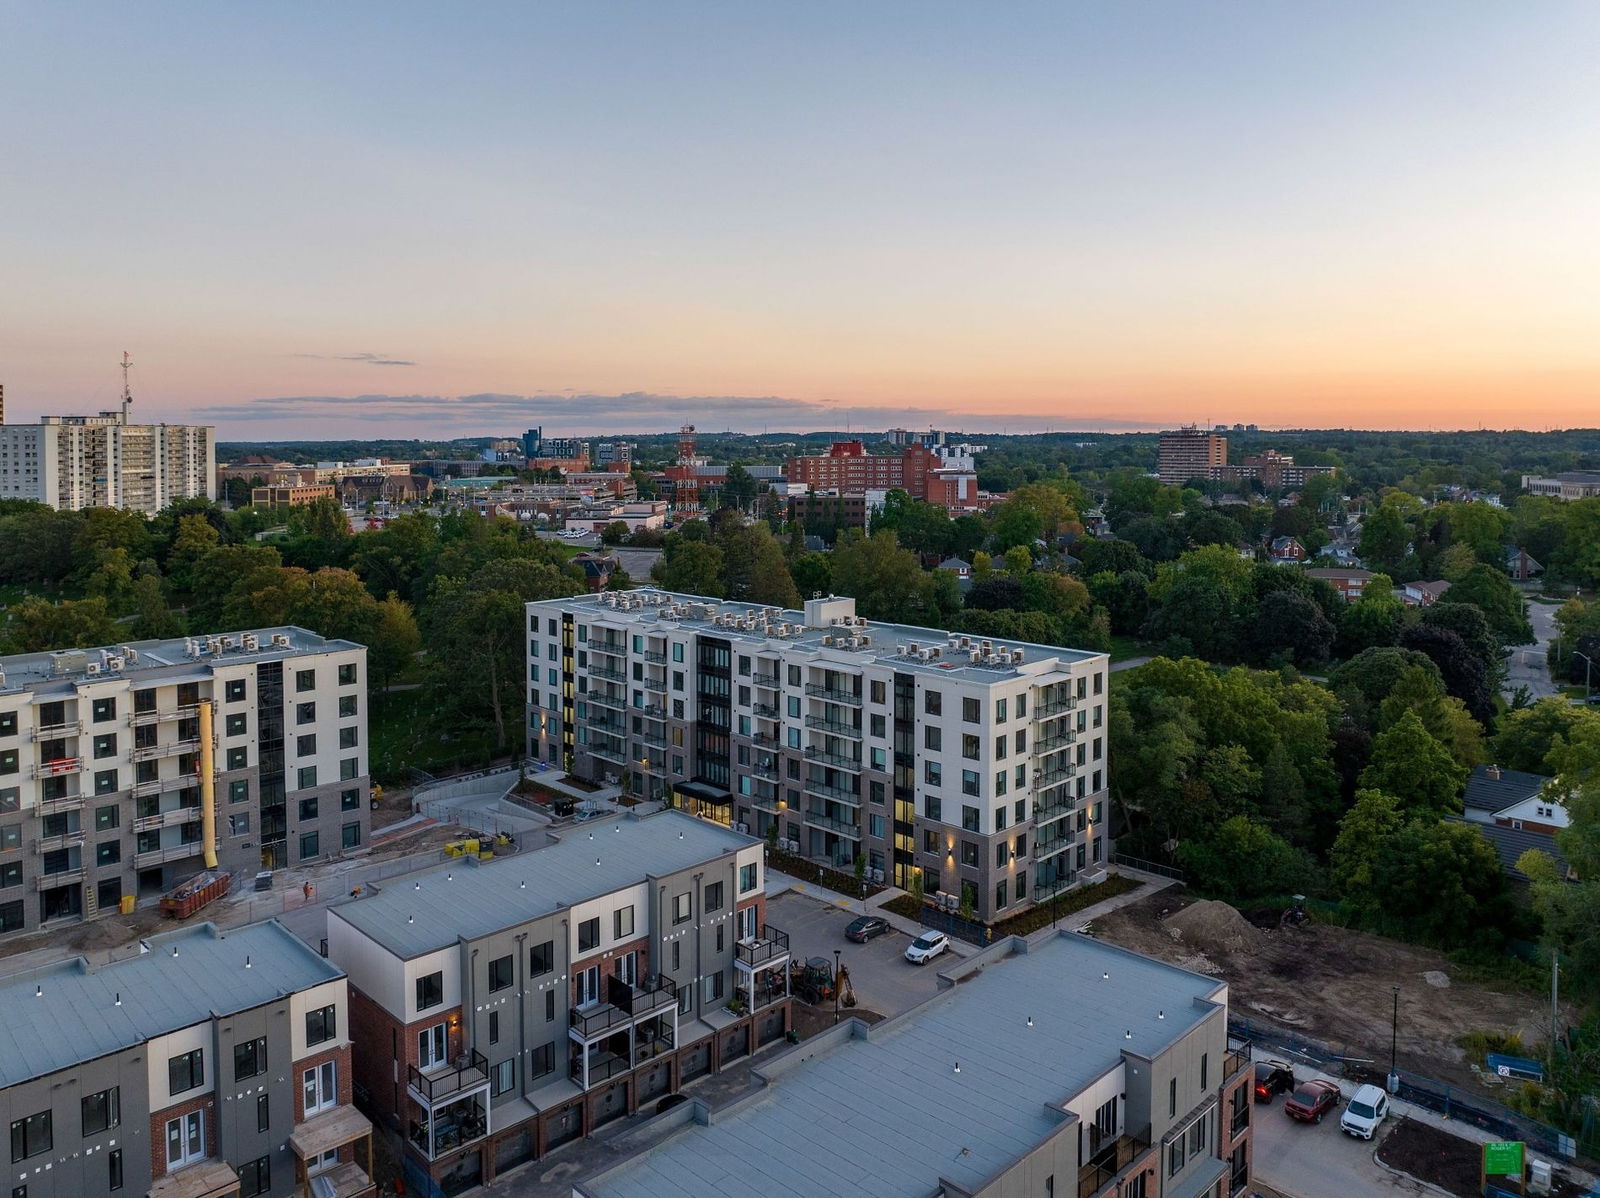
{"points": [[315, 220]]}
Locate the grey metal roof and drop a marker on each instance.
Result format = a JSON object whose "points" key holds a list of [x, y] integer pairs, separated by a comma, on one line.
{"points": [[885, 636], [1510, 843], [888, 1115], [159, 658], [468, 898], [1487, 793], [65, 1014]]}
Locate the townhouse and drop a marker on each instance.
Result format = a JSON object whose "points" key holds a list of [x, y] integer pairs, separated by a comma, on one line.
{"points": [[124, 770], [501, 1009], [1064, 1067], [209, 1064], [974, 766]]}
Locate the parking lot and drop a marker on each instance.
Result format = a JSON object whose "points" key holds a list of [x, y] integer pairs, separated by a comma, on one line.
{"points": [[1317, 1160], [884, 980]]}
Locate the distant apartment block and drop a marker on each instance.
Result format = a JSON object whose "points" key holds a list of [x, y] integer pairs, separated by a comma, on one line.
{"points": [[1189, 452], [126, 769], [613, 455], [1068, 1067], [501, 1009], [208, 1065], [977, 765], [944, 474], [1573, 484], [1271, 469], [291, 495], [77, 462], [647, 513]]}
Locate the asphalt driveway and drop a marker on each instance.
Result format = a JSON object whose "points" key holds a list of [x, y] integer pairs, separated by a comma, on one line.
{"points": [[884, 980]]}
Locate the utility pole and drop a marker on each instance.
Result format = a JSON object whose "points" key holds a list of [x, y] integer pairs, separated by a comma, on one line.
{"points": [[1394, 1040], [1588, 665], [127, 395], [1555, 1003]]}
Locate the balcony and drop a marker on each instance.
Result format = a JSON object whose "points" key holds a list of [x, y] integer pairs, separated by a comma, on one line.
{"points": [[833, 728], [1055, 742], [140, 718], [64, 803], [453, 1125], [770, 681], [611, 648], [1053, 806], [605, 722], [58, 766], [441, 1084], [167, 819], [769, 803], [767, 771], [1045, 847], [1238, 1056], [1050, 777], [655, 684], [62, 877], [831, 695], [57, 731], [624, 1005], [608, 673], [838, 794], [63, 840], [652, 739], [838, 762], [766, 711], [609, 748], [150, 752], [601, 1067], [654, 657], [815, 819], [1107, 1162], [762, 740], [1048, 709], [605, 699], [1045, 889], [768, 948], [161, 856], [650, 711]]}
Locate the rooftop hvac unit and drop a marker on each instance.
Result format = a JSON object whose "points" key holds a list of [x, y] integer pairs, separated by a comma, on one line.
{"points": [[131, 654], [937, 651], [251, 642], [912, 648], [2, 677], [1017, 655], [740, 828], [115, 664], [91, 668], [866, 641], [280, 639], [976, 655], [877, 875], [827, 640], [966, 642], [227, 642]]}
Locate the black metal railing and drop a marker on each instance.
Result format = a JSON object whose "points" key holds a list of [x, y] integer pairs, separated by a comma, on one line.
{"points": [[1105, 1164], [768, 945], [444, 1080], [624, 1003]]}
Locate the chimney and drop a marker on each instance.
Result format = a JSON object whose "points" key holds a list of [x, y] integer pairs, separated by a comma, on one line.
{"points": [[1493, 771]]}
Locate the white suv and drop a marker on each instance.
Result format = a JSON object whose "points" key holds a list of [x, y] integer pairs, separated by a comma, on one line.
{"points": [[1365, 1110]]}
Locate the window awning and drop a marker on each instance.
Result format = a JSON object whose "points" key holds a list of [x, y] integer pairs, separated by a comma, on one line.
{"points": [[329, 1130], [705, 792], [207, 1179]]}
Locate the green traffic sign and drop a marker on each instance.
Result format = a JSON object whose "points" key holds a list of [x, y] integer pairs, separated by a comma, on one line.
{"points": [[1503, 1158]]}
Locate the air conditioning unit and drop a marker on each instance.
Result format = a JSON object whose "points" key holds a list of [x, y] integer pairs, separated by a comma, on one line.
{"points": [[92, 668], [280, 639], [866, 642], [741, 828], [827, 640], [115, 663], [251, 642], [877, 875]]}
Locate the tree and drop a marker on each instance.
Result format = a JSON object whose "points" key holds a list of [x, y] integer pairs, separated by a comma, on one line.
{"points": [[739, 488], [394, 644], [38, 625], [886, 580], [691, 567], [195, 537], [1373, 620], [754, 569], [1440, 882], [1462, 670], [1365, 681], [1526, 737], [1243, 859], [1415, 768], [1571, 908], [1018, 560], [812, 574], [1016, 524], [614, 533], [1289, 624], [1491, 592], [1385, 537], [153, 619], [998, 592], [1113, 556], [1373, 818]]}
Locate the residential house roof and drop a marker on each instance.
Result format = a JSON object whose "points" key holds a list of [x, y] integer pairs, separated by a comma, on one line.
{"points": [[1491, 789]]}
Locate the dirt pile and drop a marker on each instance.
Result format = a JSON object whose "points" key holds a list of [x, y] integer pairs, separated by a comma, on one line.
{"points": [[1214, 929]]}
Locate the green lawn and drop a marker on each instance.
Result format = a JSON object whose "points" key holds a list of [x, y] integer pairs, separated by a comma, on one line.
{"points": [[405, 736]]}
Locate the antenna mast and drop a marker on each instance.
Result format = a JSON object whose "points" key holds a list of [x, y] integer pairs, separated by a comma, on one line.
{"points": [[127, 395]]}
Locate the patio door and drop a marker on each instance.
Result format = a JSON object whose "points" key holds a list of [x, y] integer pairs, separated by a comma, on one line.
{"points": [[747, 923], [628, 968], [588, 986], [186, 1140], [321, 1087], [432, 1047]]}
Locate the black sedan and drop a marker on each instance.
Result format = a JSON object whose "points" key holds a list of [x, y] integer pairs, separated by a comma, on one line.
{"points": [[865, 928], [1272, 1077]]}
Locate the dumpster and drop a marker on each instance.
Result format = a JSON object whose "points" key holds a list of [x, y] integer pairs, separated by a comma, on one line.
{"points": [[183, 901]]}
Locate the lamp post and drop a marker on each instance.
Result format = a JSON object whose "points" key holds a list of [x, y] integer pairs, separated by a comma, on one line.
{"points": [[1394, 1039], [836, 985], [1588, 665]]}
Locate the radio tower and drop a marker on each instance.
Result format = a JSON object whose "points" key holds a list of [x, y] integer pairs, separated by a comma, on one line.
{"points": [[127, 395]]}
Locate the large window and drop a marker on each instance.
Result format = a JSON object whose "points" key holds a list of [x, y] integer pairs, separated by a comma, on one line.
{"points": [[101, 1111], [624, 922], [500, 973], [542, 958], [503, 1077], [541, 1061], [322, 1024], [186, 1071], [714, 896], [589, 934], [30, 1136], [680, 908], [321, 1087], [249, 1058], [430, 991]]}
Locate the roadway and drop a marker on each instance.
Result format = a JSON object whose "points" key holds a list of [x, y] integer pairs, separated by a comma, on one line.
{"points": [[1526, 665]]}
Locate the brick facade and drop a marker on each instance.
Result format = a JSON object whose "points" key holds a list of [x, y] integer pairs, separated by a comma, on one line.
{"points": [[158, 1129], [344, 1077]]}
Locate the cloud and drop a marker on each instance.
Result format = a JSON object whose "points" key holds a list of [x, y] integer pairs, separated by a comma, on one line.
{"points": [[367, 359]]}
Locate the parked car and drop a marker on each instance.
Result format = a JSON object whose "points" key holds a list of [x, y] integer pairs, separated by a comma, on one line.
{"points": [[926, 947], [1273, 1077], [1311, 1101], [866, 927], [1365, 1110]]}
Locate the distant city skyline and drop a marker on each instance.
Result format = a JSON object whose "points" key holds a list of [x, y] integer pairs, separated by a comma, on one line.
{"points": [[310, 221]]}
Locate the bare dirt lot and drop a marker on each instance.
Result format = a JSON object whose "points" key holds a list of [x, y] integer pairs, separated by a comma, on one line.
{"points": [[1332, 984]]}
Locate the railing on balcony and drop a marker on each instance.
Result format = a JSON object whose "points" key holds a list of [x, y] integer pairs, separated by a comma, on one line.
{"points": [[62, 877], [1055, 742], [57, 731], [57, 766], [605, 699], [1053, 806], [838, 794], [1045, 847], [64, 803], [1048, 709], [767, 771], [609, 747], [654, 657], [612, 648], [654, 684], [147, 752], [817, 819], [161, 856], [608, 673], [624, 1004], [766, 742], [1106, 1163], [164, 819], [815, 691], [770, 681], [606, 722], [833, 727], [1238, 1056], [654, 740], [443, 1082], [837, 760], [1045, 889], [140, 718], [767, 947], [1049, 777], [765, 710], [61, 840], [602, 1067]]}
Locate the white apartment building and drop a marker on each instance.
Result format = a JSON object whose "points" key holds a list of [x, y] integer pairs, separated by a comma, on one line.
{"points": [[76, 462], [127, 769], [978, 764]]}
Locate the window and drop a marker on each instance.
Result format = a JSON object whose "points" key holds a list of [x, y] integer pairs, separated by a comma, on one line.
{"points": [[239, 790], [11, 913], [875, 826], [322, 1024], [306, 746], [320, 1086], [549, 1005], [430, 990], [969, 852], [1002, 854], [350, 800], [970, 746], [236, 724], [11, 837], [104, 709], [1172, 1098], [714, 986], [934, 807], [8, 723], [8, 794], [186, 1072], [10, 875], [714, 897], [106, 746], [30, 1136], [971, 711], [101, 1111], [255, 1178], [589, 934], [8, 761], [1205, 1062], [623, 920], [877, 725], [747, 878], [503, 1077], [114, 1168], [186, 1139], [932, 738], [350, 836], [500, 973], [305, 680], [541, 958], [233, 690], [239, 759], [249, 1058], [108, 852], [347, 704], [933, 702], [877, 690], [106, 818], [1175, 1157], [541, 1061], [307, 777], [308, 810], [680, 908], [494, 1027], [999, 711], [930, 841], [933, 773], [347, 737], [1000, 788], [305, 713], [347, 674], [1000, 891], [969, 819], [310, 845]]}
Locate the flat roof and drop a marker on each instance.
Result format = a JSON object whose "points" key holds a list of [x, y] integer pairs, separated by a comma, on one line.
{"points": [[469, 898], [889, 1115], [33, 670], [62, 1015], [886, 637]]}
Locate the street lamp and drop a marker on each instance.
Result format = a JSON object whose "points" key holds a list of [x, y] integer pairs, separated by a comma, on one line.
{"points": [[1394, 1037], [1588, 664], [836, 985]]}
